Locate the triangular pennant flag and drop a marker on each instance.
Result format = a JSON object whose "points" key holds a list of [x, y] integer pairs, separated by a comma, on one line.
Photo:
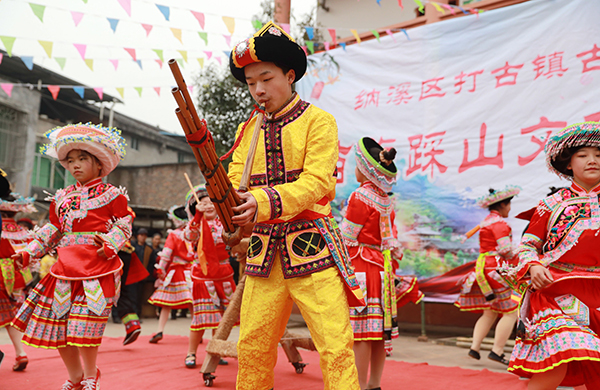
{"points": [[148, 28], [400, 4], [47, 45], [332, 35], [218, 60], [121, 91], [405, 33], [227, 53], [38, 10], [113, 24], [180, 62], [379, 3], [139, 90], [157, 89], [285, 27], [126, 4], [81, 49], [257, 24], [79, 91], [304, 48], [201, 62], [100, 92], [227, 40], [28, 61], [177, 34], [183, 54], [8, 43], [229, 23], [139, 62], [7, 88], [376, 34], [61, 62], [85, 1], [355, 33], [54, 90], [421, 6], [115, 63], [310, 31], [208, 54], [159, 53], [204, 37], [343, 45], [389, 32], [160, 63], [311, 46], [90, 63], [77, 16], [131, 52], [199, 17], [166, 11], [326, 44], [449, 8], [437, 7], [191, 88], [1, 56]]}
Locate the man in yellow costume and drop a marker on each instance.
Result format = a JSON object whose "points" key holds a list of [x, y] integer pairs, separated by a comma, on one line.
{"points": [[296, 252]]}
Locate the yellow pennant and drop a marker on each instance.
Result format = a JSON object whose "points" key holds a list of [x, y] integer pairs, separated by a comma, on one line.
{"points": [[183, 54], [355, 33], [90, 63], [230, 23], [121, 92], [177, 34], [201, 62], [47, 45]]}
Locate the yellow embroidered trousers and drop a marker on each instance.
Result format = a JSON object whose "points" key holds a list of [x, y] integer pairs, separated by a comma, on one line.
{"points": [[266, 308]]}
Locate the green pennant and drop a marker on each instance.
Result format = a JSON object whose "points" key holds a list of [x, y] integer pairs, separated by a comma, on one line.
{"points": [[376, 34], [203, 36], [139, 90], [85, 1], [311, 46], [159, 53], [8, 43], [180, 62], [61, 61], [257, 24], [38, 10]]}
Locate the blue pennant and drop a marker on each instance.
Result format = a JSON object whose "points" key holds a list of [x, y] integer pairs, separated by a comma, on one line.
{"points": [[28, 61], [166, 11], [79, 90], [310, 31], [113, 24]]}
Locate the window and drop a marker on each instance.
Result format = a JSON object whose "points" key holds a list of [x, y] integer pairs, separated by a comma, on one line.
{"points": [[48, 173], [180, 157], [135, 143], [8, 134]]}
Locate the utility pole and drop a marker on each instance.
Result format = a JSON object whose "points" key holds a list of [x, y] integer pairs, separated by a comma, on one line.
{"points": [[281, 12]]}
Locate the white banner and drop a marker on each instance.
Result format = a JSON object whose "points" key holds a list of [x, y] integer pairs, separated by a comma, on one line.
{"points": [[468, 103]]}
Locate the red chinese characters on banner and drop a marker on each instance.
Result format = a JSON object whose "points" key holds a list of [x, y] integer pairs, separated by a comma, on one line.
{"points": [[511, 77], [544, 124], [428, 149], [364, 99], [595, 117], [593, 57], [341, 164], [430, 88], [481, 160], [398, 94], [554, 67], [461, 80]]}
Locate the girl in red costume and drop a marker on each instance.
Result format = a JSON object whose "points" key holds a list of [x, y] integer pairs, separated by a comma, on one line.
{"points": [[559, 263], [212, 289], [369, 232], [89, 224], [484, 289], [174, 283], [12, 279]]}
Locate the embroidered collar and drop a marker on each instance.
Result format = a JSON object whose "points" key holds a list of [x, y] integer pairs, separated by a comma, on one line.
{"points": [[370, 185], [579, 190], [286, 108], [89, 184]]}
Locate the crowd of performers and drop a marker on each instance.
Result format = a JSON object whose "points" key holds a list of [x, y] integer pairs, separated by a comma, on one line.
{"points": [[343, 279]]}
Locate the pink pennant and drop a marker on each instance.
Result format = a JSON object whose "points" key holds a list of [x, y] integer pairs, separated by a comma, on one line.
{"points": [[160, 63], [99, 91], [326, 44], [1, 55], [131, 53], [219, 60], [400, 4], [157, 89], [115, 63], [332, 35], [200, 17], [76, 17], [227, 39], [126, 4], [389, 32], [7, 88], [304, 48], [191, 88], [452, 11], [208, 54], [148, 28], [54, 89], [81, 49], [285, 27]]}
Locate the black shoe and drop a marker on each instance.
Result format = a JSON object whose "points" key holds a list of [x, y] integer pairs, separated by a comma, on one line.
{"points": [[474, 354], [223, 362], [156, 338], [500, 359], [1, 356], [132, 336]]}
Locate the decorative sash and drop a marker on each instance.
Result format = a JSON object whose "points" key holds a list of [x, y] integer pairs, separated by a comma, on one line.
{"points": [[62, 298], [485, 287], [94, 295], [390, 312], [8, 273]]}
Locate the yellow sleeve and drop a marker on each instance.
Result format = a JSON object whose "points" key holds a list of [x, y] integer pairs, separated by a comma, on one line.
{"points": [[236, 166], [284, 201]]}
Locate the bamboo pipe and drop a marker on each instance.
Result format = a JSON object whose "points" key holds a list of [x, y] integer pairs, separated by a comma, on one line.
{"points": [[245, 180]]}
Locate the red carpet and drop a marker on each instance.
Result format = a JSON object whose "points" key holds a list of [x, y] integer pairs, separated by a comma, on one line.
{"points": [[146, 366]]}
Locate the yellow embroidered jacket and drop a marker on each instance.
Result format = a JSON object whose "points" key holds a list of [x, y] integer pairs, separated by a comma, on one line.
{"points": [[293, 180]]}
